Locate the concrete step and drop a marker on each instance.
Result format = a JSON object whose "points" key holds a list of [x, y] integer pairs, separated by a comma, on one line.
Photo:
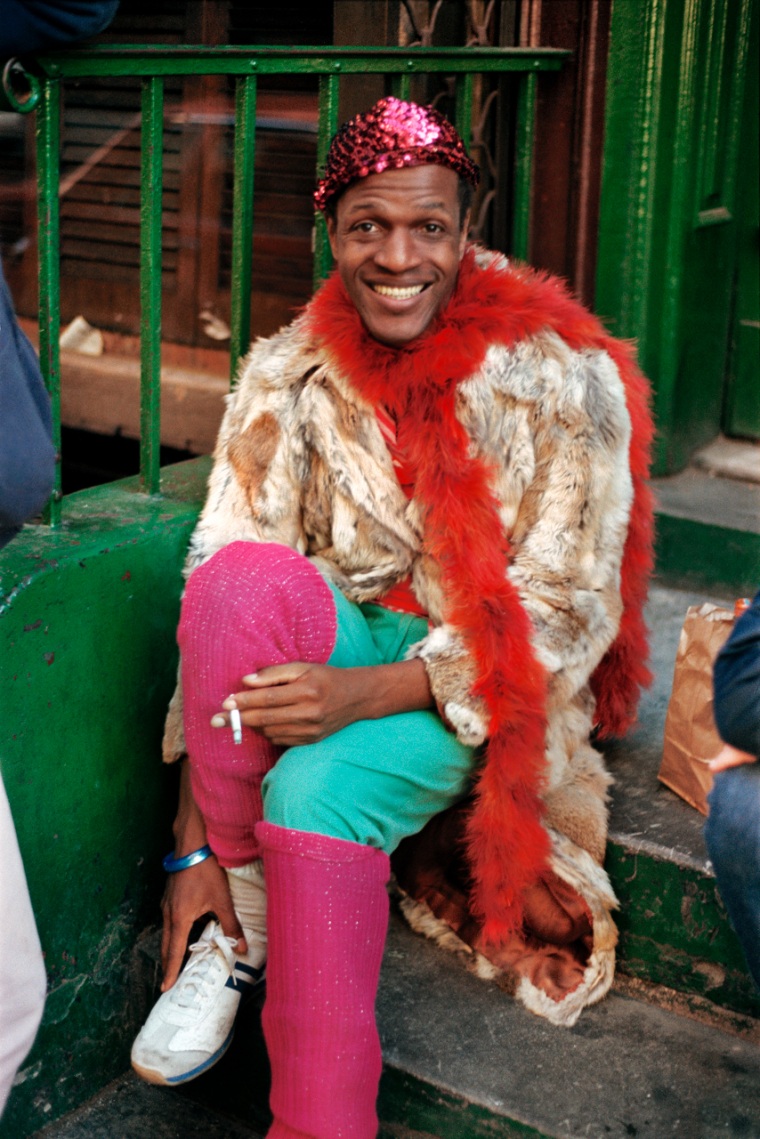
{"points": [[482, 1066], [464, 1061], [131, 1109]]}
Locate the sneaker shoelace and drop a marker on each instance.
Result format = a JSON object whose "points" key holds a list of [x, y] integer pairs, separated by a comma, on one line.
{"points": [[204, 956]]}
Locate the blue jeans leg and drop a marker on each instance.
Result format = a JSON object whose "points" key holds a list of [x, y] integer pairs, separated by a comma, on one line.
{"points": [[732, 834]]}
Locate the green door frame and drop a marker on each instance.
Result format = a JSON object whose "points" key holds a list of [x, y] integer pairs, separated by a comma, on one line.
{"points": [[650, 199]]}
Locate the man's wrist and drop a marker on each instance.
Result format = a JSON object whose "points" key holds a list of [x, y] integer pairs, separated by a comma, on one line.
{"points": [[172, 864]]}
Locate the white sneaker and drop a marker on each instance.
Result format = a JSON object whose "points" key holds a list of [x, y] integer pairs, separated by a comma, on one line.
{"points": [[192, 1024]]}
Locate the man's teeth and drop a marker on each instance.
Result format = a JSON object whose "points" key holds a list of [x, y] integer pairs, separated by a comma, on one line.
{"points": [[398, 294]]}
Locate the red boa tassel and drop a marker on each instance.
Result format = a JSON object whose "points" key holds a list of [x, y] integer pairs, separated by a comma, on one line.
{"points": [[507, 843]]}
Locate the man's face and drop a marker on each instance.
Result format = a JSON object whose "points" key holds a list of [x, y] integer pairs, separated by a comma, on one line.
{"points": [[397, 242]]}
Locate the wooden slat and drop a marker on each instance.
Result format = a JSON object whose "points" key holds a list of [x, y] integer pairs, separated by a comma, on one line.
{"points": [[95, 272], [109, 252], [113, 195], [107, 225], [118, 157], [125, 176]]}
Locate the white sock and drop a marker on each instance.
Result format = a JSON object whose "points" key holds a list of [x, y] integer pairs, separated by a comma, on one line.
{"points": [[249, 897]]}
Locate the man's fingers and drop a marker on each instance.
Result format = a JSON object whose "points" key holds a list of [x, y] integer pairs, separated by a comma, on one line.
{"points": [[276, 674], [730, 757], [295, 702], [173, 948], [228, 920], [272, 696]]}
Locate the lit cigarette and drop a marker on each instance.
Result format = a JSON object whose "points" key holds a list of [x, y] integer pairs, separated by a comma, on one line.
{"points": [[236, 725]]}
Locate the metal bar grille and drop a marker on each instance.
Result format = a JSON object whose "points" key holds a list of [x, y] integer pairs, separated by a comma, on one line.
{"points": [[149, 60], [242, 220], [463, 116], [526, 117], [401, 85], [151, 193], [48, 214], [328, 124]]}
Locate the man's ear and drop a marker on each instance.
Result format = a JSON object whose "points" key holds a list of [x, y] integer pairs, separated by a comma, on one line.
{"points": [[332, 233], [464, 230]]}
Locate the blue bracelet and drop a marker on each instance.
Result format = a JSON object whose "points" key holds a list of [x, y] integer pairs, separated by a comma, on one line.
{"points": [[172, 865]]}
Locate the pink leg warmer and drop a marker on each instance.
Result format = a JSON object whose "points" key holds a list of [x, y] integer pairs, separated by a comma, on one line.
{"points": [[251, 605], [327, 918]]}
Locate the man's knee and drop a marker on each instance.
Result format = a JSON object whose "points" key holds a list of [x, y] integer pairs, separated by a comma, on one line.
{"points": [[221, 581], [265, 588]]}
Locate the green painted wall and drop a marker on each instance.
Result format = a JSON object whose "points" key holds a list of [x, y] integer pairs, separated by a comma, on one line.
{"points": [[742, 412], [88, 615]]}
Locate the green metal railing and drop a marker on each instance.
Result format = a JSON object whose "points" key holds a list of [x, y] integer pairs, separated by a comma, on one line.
{"points": [[37, 86]]}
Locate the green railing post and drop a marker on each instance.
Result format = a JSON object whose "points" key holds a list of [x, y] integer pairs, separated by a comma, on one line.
{"points": [[151, 195], [526, 117], [328, 124], [48, 217], [463, 112], [242, 220], [401, 84]]}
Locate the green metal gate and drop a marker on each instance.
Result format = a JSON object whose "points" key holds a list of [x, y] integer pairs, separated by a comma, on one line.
{"points": [[38, 88]]}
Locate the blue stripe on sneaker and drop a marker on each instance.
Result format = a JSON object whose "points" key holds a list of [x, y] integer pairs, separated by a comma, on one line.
{"points": [[243, 968], [244, 978], [206, 1064]]}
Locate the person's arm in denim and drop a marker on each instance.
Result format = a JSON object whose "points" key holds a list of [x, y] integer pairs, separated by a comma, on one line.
{"points": [[34, 25], [27, 458], [736, 685]]}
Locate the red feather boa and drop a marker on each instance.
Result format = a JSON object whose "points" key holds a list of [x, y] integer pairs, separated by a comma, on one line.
{"points": [[507, 843]]}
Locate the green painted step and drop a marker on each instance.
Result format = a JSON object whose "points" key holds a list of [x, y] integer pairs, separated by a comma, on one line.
{"points": [[708, 532]]}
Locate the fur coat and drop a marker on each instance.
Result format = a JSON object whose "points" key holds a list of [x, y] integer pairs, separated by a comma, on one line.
{"points": [[527, 413]]}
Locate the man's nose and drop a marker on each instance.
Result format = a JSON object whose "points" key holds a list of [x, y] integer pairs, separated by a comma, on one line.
{"points": [[398, 252]]}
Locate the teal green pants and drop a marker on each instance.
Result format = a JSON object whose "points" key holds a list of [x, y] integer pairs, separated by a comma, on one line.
{"points": [[376, 781]]}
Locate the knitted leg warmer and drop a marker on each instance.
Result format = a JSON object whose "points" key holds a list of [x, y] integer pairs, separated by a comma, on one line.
{"points": [[327, 918], [251, 605]]}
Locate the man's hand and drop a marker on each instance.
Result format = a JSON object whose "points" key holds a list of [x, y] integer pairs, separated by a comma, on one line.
{"points": [[297, 703], [189, 894], [730, 757]]}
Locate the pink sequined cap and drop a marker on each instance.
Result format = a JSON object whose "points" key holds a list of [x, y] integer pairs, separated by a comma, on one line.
{"points": [[389, 136]]}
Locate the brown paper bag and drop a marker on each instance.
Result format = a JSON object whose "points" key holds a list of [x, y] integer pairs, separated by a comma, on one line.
{"points": [[691, 738]]}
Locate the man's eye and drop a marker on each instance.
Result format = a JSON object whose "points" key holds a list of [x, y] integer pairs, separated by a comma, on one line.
{"points": [[433, 227], [364, 227]]}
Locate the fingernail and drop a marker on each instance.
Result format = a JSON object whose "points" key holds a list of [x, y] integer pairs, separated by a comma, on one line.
{"points": [[229, 703], [249, 679], [218, 721]]}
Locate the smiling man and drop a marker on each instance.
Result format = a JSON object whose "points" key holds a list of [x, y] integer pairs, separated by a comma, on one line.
{"points": [[414, 591]]}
